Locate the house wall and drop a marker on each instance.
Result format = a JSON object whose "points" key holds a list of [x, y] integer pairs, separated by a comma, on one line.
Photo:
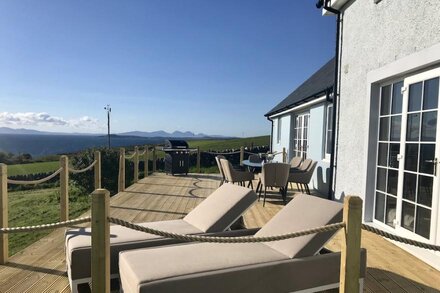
{"points": [[316, 141], [373, 37], [285, 136]]}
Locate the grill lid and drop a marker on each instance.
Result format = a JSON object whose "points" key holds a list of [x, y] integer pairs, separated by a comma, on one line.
{"points": [[175, 144]]}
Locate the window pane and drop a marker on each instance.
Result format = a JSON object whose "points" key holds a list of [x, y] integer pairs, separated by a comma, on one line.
{"points": [[409, 186], [385, 100], [394, 151], [411, 155], [429, 126], [329, 142], [383, 154], [392, 182], [384, 128], [407, 216], [380, 207], [413, 127], [390, 211], [430, 94], [381, 179], [423, 223], [395, 128], [427, 155], [397, 98], [415, 97], [424, 194]]}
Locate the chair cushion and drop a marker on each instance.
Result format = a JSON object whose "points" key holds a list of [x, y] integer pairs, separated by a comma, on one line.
{"points": [[78, 244], [140, 267], [219, 210], [302, 213]]}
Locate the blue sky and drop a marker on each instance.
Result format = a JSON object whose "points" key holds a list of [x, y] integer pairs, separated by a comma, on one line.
{"points": [[206, 66]]}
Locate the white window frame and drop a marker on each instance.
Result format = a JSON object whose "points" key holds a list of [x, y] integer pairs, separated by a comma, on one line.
{"points": [[328, 128], [279, 125]]}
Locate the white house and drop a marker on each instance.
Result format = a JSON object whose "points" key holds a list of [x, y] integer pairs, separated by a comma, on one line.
{"points": [[302, 124], [387, 146]]}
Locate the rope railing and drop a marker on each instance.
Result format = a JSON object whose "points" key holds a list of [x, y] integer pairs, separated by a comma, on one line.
{"points": [[129, 157], [401, 239], [38, 181], [75, 171], [45, 226], [223, 153], [143, 153], [216, 239]]}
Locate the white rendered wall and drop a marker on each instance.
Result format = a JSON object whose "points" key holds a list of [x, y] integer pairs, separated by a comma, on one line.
{"points": [[374, 37], [285, 136]]}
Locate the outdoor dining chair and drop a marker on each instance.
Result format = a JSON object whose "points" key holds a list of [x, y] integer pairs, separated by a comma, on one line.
{"points": [[234, 176], [303, 176], [295, 162], [273, 175], [254, 159]]}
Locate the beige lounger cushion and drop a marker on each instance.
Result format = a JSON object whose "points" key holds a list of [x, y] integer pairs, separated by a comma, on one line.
{"points": [[219, 210], [302, 213], [78, 252], [214, 214], [206, 267]]}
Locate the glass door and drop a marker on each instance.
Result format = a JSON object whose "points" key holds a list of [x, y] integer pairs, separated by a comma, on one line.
{"points": [[408, 150], [300, 135]]}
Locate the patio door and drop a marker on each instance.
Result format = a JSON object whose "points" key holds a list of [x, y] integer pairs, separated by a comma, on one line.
{"points": [[407, 181], [300, 135]]}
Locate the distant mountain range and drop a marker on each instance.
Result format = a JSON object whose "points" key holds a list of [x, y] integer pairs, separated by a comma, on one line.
{"points": [[159, 133]]}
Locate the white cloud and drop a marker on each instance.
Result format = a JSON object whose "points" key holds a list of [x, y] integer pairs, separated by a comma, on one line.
{"points": [[47, 120]]}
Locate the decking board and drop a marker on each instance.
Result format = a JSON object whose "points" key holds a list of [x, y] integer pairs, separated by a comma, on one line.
{"points": [[41, 266]]}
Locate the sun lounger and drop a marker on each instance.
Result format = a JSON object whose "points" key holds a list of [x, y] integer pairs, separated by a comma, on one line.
{"points": [[282, 266], [215, 214]]}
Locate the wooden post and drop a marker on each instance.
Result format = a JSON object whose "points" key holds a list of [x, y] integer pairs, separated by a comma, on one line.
{"points": [[198, 160], [100, 241], [64, 188], [4, 246], [350, 250], [97, 169], [154, 160], [241, 155], [136, 164], [284, 155], [121, 179], [146, 162]]}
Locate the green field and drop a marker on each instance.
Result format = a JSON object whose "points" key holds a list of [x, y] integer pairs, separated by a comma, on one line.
{"points": [[236, 143], [32, 168], [40, 206]]}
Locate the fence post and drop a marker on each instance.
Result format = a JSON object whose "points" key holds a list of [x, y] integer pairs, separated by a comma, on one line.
{"points": [[146, 162], [4, 246], [136, 164], [198, 159], [64, 188], [100, 241], [241, 155], [121, 179], [350, 250], [154, 160], [284, 155], [97, 169]]}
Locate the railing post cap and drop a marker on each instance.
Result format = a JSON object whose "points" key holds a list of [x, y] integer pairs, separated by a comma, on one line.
{"points": [[3, 167], [353, 201], [101, 191]]}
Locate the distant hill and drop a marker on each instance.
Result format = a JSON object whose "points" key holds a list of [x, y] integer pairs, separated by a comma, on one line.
{"points": [[159, 133]]}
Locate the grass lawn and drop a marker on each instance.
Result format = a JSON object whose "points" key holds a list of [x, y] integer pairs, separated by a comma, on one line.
{"points": [[32, 168], [236, 143], [40, 206]]}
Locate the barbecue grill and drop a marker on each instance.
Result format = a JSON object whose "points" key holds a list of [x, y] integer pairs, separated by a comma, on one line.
{"points": [[176, 157]]}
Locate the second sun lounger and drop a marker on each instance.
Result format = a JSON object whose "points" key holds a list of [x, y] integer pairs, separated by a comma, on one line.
{"points": [[292, 265], [215, 214]]}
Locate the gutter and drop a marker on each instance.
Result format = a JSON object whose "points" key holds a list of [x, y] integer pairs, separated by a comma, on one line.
{"points": [[332, 183]]}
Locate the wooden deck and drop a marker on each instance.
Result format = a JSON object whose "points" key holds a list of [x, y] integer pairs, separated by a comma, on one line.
{"points": [[41, 266]]}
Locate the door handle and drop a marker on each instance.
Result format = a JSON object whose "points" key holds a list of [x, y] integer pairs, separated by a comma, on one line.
{"points": [[435, 161]]}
